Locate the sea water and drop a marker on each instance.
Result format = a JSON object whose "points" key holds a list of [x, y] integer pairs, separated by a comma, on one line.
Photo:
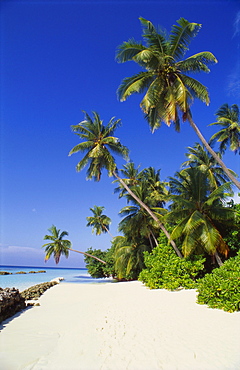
{"points": [[24, 281]]}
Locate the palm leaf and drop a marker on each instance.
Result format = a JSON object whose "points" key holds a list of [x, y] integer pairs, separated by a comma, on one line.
{"points": [[128, 50], [197, 62], [84, 161], [155, 39], [196, 88], [181, 36], [81, 147], [135, 84]]}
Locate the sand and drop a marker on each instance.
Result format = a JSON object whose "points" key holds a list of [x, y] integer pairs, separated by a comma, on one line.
{"points": [[118, 326]]}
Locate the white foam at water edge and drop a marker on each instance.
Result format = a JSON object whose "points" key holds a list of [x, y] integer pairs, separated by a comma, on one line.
{"points": [[58, 279]]}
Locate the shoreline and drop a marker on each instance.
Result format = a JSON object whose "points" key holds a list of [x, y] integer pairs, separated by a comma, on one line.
{"points": [[120, 326]]}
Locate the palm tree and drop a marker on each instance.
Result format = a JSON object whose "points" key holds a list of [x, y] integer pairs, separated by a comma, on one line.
{"points": [[131, 176], [137, 224], [58, 246], [199, 157], [99, 222], [98, 142], [199, 213], [157, 191], [129, 258], [228, 118], [169, 88]]}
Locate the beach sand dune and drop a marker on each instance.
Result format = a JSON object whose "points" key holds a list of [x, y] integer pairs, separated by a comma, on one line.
{"points": [[120, 326]]}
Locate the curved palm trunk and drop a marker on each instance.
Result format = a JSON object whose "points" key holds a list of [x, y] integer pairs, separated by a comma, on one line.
{"points": [[211, 151], [143, 205], [87, 254], [108, 231]]}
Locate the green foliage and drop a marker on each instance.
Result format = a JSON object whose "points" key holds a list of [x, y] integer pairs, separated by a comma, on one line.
{"points": [[233, 240], [97, 144], [228, 118], [56, 246], [198, 212], [165, 270], [97, 269], [164, 75], [199, 157], [99, 222], [232, 237], [129, 257], [221, 288]]}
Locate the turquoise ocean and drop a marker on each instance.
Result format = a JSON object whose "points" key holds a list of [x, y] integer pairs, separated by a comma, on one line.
{"points": [[24, 281]]}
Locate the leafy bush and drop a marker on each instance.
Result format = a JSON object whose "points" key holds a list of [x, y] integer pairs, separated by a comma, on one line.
{"points": [[232, 234], [164, 269], [96, 268], [221, 288]]}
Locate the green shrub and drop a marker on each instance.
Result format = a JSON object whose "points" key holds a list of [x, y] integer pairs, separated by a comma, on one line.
{"points": [[232, 234], [97, 269], [221, 288], [164, 269]]}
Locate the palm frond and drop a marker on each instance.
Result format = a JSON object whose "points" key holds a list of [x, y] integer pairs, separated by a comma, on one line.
{"points": [[135, 84], [197, 62], [84, 161], [155, 39], [153, 119], [181, 36], [178, 229], [81, 147], [196, 88], [128, 50]]}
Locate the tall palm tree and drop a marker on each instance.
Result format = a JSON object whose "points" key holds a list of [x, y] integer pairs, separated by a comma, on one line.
{"points": [[228, 118], [57, 246], [198, 212], [98, 144], [99, 222], [199, 157], [169, 88]]}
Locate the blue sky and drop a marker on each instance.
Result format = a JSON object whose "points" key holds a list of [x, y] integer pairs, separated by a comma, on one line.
{"points": [[58, 59]]}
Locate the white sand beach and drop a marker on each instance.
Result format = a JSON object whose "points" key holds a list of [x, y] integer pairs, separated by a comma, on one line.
{"points": [[118, 326]]}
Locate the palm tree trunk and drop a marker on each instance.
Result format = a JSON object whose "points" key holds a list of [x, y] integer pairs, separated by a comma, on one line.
{"points": [[211, 151], [218, 259], [150, 241], [87, 254], [155, 240], [108, 231], [143, 205]]}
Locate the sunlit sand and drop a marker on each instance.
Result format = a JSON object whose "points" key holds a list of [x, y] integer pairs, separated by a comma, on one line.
{"points": [[120, 326]]}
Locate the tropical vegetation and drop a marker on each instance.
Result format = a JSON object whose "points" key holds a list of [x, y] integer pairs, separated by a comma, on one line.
{"points": [[228, 118], [169, 90], [199, 157], [199, 213], [164, 270], [220, 289], [99, 222], [97, 269], [182, 232], [97, 145], [57, 246]]}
